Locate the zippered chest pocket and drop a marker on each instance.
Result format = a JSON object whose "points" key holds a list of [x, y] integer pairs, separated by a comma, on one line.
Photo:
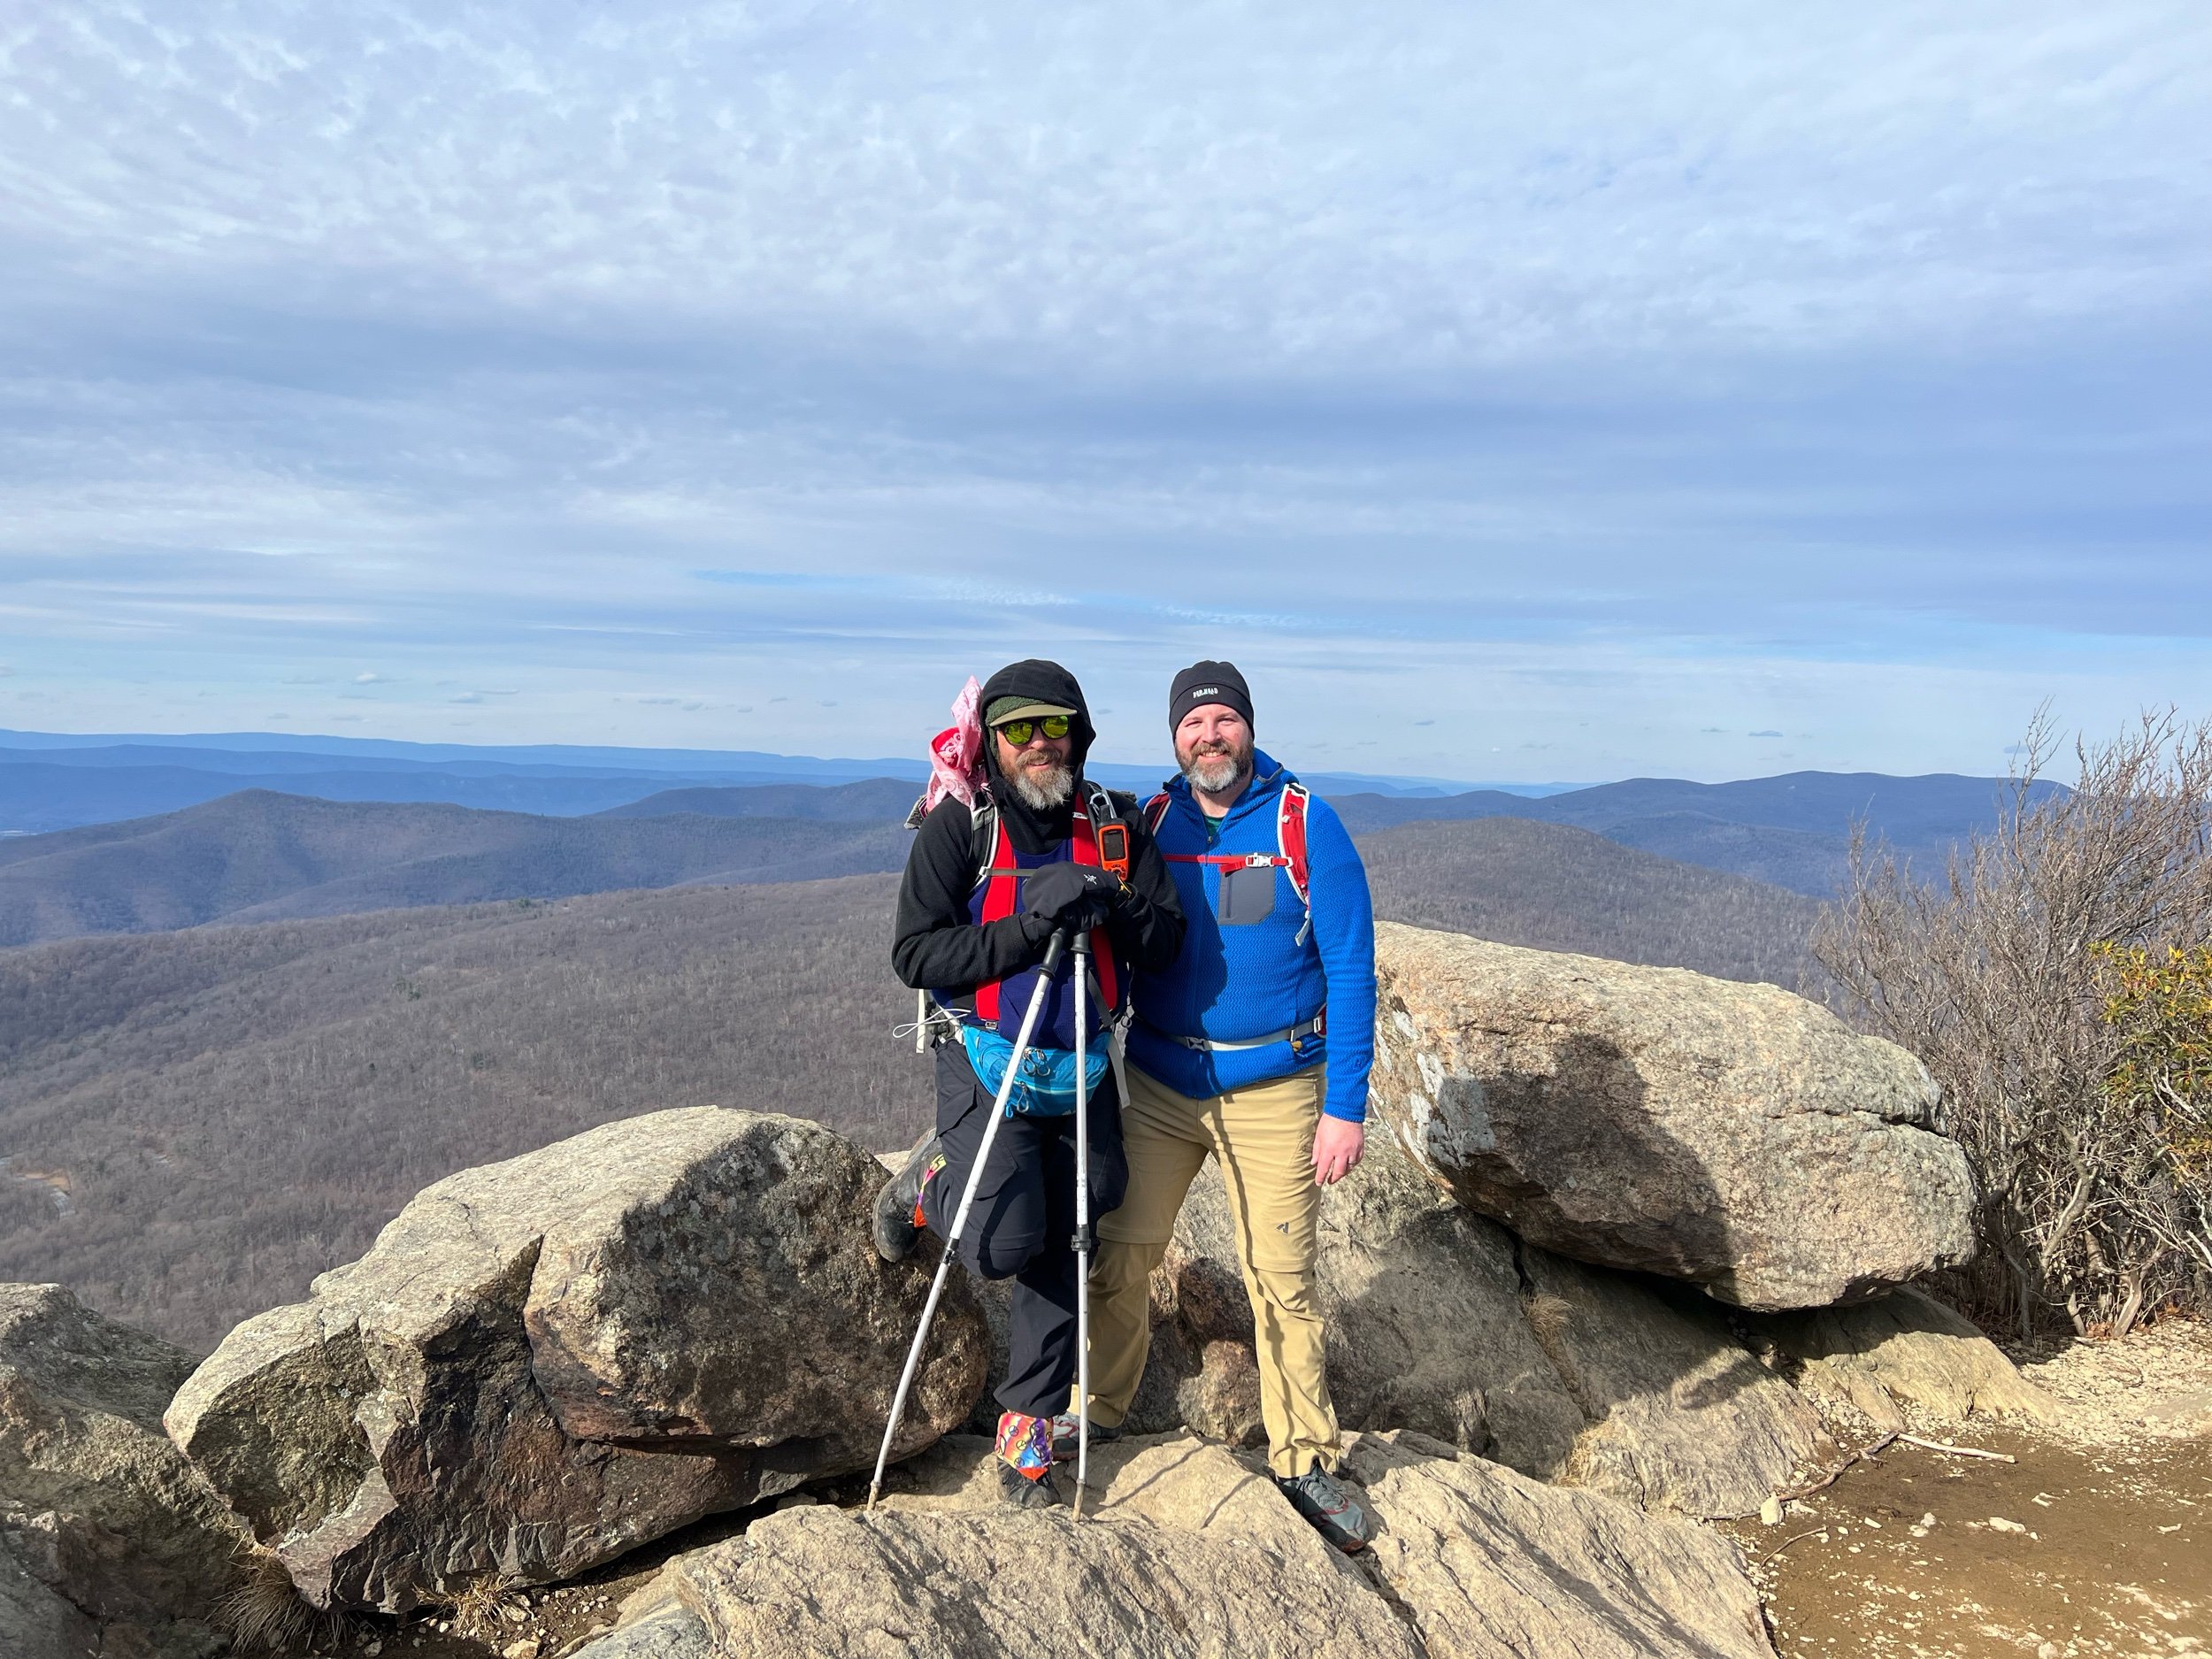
{"points": [[1247, 894]]}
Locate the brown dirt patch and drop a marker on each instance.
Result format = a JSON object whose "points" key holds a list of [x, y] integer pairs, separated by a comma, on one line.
{"points": [[1916, 1554]]}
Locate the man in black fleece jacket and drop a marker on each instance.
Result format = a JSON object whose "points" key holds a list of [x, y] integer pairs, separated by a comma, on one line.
{"points": [[976, 947]]}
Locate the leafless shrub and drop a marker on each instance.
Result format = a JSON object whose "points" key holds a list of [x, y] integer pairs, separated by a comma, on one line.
{"points": [[1998, 977]]}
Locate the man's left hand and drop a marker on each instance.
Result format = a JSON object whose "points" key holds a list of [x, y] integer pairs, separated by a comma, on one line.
{"points": [[1337, 1144]]}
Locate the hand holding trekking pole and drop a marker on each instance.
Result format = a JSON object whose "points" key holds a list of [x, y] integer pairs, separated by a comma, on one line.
{"points": [[1076, 897], [967, 1200]]}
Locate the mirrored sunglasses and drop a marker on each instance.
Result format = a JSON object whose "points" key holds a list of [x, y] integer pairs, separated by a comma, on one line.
{"points": [[1019, 732]]}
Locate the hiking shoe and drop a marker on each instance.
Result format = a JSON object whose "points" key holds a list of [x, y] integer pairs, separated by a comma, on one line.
{"points": [[899, 1205], [1066, 1441], [1022, 1493], [1335, 1513]]}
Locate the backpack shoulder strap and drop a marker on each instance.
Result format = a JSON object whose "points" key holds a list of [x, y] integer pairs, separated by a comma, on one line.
{"points": [[1155, 811], [983, 834], [1100, 805], [1290, 839]]}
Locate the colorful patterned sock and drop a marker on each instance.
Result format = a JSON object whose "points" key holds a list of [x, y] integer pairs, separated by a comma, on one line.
{"points": [[928, 1175], [1026, 1444]]}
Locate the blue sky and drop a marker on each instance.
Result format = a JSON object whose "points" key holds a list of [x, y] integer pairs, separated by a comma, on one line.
{"points": [[1515, 392]]}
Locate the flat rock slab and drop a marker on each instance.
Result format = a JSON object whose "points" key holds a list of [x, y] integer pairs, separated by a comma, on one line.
{"points": [[95, 1504], [673, 1632], [1190, 1552], [1492, 1565], [1905, 1350], [545, 1362], [1734, 1136]]}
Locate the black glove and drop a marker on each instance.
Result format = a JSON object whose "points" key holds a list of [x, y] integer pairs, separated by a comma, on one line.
{"points": [[1075, 897]]}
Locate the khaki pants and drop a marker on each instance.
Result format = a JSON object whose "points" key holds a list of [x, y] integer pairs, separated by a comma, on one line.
{"points": [[1264, 1136]]}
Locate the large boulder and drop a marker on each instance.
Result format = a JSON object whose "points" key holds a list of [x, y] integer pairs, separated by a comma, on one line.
{"points": [[1905, 1350], [1732, 1135], [35, 1622], [97, 1510], [1186, 1549], [1682, 1416], [541, 1363]]}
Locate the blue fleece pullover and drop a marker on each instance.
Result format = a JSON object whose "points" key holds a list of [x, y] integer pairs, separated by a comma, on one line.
{"points": [[1245, 979]]}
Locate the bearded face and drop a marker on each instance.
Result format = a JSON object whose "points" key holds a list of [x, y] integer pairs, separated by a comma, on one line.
{"points": [[1215, 755], [1043, 782], [1039, 770]]}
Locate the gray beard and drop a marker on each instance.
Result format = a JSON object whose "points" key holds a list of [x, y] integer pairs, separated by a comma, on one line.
{"points": [[1214, 773], [1042, 792]]}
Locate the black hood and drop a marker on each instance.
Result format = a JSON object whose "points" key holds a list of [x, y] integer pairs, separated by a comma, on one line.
{"points": [[1034, 679]]}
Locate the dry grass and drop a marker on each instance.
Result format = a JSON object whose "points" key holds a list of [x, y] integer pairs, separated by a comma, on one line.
{"points": [[267, 1614], [489, 1609]]}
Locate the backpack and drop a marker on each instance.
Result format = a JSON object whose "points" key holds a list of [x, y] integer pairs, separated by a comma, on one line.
{"points": [[1109, 843]]}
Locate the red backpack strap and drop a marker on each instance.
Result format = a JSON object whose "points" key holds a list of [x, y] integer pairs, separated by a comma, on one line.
{"points": [[1290, 838], [1001, 883], [1155, 811]]}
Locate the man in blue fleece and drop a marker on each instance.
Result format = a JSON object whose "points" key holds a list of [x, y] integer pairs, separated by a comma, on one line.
{"points": [[1254, 1047]]}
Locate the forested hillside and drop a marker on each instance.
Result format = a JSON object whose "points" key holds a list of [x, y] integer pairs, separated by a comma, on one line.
{"points": [[233, 1110], [1567, 889]]}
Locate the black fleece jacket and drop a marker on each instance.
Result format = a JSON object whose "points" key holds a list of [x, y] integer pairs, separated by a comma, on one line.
{"points": [[935, 945]]}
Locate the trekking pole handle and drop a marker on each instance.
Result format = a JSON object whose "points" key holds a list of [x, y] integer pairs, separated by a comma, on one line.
{"points": [[1054, 946]]}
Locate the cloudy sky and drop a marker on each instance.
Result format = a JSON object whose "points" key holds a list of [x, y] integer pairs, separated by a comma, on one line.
{"points": [[1516, 392]]}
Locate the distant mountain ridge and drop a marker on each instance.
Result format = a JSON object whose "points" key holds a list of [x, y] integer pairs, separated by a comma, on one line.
{"points": [[53, 781], [1793, 830], [259, 856]]}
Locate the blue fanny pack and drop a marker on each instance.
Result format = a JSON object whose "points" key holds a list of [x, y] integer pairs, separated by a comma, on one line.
{"points": [[1045, 1086]]}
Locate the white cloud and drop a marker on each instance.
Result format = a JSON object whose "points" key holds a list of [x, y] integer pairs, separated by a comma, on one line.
{"points": [[1628, 348]]}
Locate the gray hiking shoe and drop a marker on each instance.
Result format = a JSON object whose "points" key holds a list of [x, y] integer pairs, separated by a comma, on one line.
{"points": [[1335, 1513], [1066, 1443], [898, 1205]]}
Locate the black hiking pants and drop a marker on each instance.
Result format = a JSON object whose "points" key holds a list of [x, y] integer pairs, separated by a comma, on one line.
{"points": [[1023, 1225]]}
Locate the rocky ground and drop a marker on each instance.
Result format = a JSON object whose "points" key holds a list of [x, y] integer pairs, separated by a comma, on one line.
{"points": [[1911, 1556], [2096, 1541], [612, 1399]]}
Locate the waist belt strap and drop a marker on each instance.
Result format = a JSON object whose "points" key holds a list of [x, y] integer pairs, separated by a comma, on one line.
{"points": [[1312, 1027]]}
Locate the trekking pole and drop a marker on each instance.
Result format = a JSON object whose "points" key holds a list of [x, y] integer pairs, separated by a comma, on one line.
{"points": [[1082, 1225], [967, 1199]]}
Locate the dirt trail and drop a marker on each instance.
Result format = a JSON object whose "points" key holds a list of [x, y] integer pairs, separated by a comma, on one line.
{"points": [[2097, 1542]]}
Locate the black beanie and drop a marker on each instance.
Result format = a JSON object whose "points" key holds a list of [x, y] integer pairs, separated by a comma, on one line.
{"points": [[1208, 682]]}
